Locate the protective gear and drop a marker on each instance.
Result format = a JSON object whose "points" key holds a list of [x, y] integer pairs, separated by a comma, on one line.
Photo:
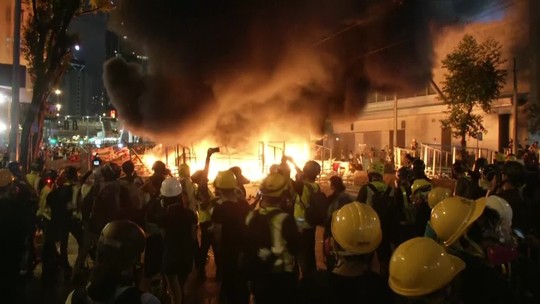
{"points": [[71, 173], [420, 266], [511, 158], [437, 194], [274, 185], [184, 170], [418, 165], [451, 217], [480, 164], [491, 171], [356, 228], [159, 167], [171, 187], [312, 168], [111, 172], [120, 244], [404, 173], [36, 167], [225, 180], [5, 177], [420, 184], [376, 167], [502, 207], [15, 168], [514, 173], [500, 157]]}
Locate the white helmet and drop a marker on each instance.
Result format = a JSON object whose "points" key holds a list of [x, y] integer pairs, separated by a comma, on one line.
{"points": [[171, 187], [502, 207]]}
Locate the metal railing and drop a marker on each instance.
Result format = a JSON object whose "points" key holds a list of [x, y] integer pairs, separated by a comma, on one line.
{"points": [[399, 154], [438, 162]]}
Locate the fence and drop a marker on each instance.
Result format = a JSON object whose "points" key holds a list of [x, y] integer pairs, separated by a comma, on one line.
{"points": [[438, 162]]}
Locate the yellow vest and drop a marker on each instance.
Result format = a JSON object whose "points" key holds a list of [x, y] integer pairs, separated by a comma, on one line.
{"points": [[302, 201], [205, 215], [43, 209]]}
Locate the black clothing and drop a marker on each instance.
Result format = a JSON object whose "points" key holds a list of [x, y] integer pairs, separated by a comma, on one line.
{"points": [[325, 287]]}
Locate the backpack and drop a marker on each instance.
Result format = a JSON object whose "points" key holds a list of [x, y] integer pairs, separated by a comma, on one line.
{"points": [[106, 208], [134, 190], [381, 202], [259, 258], [315, 211]]}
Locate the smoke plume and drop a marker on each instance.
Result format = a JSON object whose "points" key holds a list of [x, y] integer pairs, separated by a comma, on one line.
{"points": [[234, 69]]}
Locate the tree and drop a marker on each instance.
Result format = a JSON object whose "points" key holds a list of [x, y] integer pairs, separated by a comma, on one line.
{"points": [[473, 80], [46, 45]]}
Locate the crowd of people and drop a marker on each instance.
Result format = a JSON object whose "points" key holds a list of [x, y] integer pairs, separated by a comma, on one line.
{"points": [[139, 240]]}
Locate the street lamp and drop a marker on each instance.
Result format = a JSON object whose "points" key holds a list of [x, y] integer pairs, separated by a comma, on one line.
{"points": [[77, 47], [58, 107], [57, 92]]}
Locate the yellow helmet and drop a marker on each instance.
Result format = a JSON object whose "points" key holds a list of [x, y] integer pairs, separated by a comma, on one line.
{"points": [[451, 217], [437, 194], [420, 184], [356, 228], [5, 177], [274, 185], [183, 170], [420, 266], [225, 180], [376, 167]]}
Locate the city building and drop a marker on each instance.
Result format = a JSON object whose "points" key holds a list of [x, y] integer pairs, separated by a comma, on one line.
{"points": [[76, 96], [515, 25]]}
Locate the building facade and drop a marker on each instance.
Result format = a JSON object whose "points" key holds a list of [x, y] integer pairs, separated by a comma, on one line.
{"points": [[418, 117]]}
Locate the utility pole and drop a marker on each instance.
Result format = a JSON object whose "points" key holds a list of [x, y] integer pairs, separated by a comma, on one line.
{"points": [[395, 120], [15, 105], [515, 111]]}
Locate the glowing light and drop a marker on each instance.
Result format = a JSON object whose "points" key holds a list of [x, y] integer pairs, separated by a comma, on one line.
{"points": [[3, 126], [57, 92], [77, 47], [3, 98]]}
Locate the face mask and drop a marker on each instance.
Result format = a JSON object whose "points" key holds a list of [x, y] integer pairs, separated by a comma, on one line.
{"points": [[484, 184]]}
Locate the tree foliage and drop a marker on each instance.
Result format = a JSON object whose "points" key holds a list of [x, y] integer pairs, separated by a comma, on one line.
{"points": [[46, 45], [473, 80]]}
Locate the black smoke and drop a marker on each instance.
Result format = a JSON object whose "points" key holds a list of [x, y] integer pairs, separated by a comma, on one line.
{"points": [[231, 70]]}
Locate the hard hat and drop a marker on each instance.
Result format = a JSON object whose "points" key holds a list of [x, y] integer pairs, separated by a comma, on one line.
{"points": [[500, 157], [120, 244], [418, 165], [420, 266], [171, 187], [356, 228], [437, 194], [5, 177], [420, 184], [376, 167], [225, 180], [312, 168], [502, 207], [451, 217], [183, 170], [274, 185], [514, 172], [159, 167]]}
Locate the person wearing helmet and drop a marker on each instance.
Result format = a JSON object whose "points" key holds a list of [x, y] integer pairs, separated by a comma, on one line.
{"points": [[337, 199], [381, 197], [241, 180], [188, 187], [307, 190], [463, 182], [133, 183], [405, 207], [272, 241], [490, 179], [113, 276], [356, 234], [513, 179], [422, 272], [15, 227], [419, 170], [467, 228], [435, 196], [476, 175], [44, 211], [33, 178], [179, 226], [419, 196], [228, 218]]}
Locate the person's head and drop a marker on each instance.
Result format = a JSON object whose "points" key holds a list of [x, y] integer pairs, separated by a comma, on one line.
{"points": [[171, 191], [240, 179], [311, 170], [459, 168], [408, 159], [490, 177], [274, 189], [356, 232], [119, 249], [418, 168], [184, 171], [36, 167], [110, 172], [376, 171], [15, 169], [6, 178], [159, 168], [50, 177], [273, 169], [128, 167], [403, 175], [336, 184], [513, 173], [421, 269], [199, 177], [480, 164], [420, 190], [452, 217], [225, 184], [437, 195], [71, 174]]}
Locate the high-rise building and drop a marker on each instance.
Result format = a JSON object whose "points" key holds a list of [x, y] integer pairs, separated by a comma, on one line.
{"points": [[76, 96]]}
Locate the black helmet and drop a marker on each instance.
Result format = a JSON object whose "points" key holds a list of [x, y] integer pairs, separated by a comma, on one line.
{"points": [[491, 171], [15, 168], [404, 173], [71, 173], [51, 174], [312, 169], [418, 168], [36, 167], [159, 167], [120, 244], [111, 172], [128, 167], [459, 167], [480, 164]]}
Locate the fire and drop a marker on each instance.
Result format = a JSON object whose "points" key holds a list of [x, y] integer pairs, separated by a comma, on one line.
{"points": [[254, 162]]}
